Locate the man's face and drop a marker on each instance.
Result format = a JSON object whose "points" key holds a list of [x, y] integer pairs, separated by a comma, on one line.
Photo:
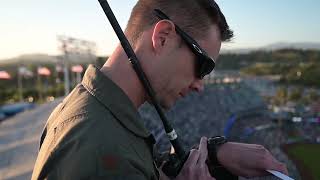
{"points": [[178, 69]]}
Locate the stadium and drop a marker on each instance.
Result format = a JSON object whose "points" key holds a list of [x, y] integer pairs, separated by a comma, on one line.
{"points": [[232, 109]]}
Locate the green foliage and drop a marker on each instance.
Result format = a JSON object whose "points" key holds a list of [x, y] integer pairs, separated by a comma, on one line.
{"points": [[296, 94], [281, 96], [260, 69], [281, 57], [298, 67], [305, 74], [308, 154], [6, 94], [313, 95]]}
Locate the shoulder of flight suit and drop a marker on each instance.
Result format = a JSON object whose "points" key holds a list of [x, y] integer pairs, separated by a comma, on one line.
{"points": [[82, 144], [102, 149]]}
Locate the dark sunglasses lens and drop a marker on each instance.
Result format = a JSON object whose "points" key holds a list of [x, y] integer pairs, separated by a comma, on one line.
{"points": [[206, 65]]}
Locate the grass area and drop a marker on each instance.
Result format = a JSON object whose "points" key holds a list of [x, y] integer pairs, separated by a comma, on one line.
{"points": [[309, 155]]}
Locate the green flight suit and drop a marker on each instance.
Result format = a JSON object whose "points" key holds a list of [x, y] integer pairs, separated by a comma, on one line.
{"points": [[95, 133]]}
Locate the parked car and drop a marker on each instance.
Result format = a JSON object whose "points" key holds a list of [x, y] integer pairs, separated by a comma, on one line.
{"points": [[13, 109]]}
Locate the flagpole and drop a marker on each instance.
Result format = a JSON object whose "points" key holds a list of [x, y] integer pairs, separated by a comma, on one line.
{"points": [[39, 85], [20, 85], [78, 77], [65, 68]]}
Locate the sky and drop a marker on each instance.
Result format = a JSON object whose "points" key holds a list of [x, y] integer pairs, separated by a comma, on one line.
{"points": [[32, 26]]}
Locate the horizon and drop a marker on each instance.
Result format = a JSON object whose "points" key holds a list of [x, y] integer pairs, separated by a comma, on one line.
{"points": [[266, 47], [256, 24]]}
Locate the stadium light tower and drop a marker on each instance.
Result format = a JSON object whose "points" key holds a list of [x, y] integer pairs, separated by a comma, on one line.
{"points": [[64, 48], [77, 48], [66, 69]]}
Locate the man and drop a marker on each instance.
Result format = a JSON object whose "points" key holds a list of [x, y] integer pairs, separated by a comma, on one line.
{"points": [[97, 133]]}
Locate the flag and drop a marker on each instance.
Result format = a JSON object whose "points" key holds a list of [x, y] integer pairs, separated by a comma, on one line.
{"points": [[59, 68], [77, 69], [4, 75], [23, 71], [44, 71]]}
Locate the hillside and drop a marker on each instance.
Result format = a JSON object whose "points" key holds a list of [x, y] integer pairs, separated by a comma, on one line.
{"points": [[283, 56]]}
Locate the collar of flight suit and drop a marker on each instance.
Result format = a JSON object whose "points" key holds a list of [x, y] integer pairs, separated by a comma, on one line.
{"points": [[115, 100]]}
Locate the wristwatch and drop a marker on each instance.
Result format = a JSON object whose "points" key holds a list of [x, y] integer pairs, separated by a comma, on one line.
{"points": [[214, 144], [215, 168]]}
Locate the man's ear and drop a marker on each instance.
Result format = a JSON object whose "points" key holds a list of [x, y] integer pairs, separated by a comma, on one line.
{"points": [[163, 33]]}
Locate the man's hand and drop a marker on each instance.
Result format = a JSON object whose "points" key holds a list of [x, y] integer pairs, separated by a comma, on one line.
{"points": [[248, 160], [195, 167]]}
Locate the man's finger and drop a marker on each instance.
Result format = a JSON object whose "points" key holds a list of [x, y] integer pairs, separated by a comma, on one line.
{"points": [[203, 151], [278, 166], [193, 158], [282, 168]]}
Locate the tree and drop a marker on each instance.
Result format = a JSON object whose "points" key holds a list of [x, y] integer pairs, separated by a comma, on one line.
{"points": [[281, 96], [296, 94]]}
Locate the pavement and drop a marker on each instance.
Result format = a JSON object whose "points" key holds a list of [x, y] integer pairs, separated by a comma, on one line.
{"points": [[19, 141]]}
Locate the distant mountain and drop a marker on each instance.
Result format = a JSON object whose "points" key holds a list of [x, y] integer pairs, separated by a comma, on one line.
{"points": [[237, 51], [30, 59], [276, 46], [301, 45], [46, 59]]}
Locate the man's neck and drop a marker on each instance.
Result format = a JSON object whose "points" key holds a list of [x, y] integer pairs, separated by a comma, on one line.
{"points": [[119, 69]]}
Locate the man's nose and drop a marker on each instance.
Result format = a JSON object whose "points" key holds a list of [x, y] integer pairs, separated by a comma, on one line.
{"points": [[197, 85]]}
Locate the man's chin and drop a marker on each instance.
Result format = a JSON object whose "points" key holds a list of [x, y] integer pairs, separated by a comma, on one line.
{"points": [[164, 105], [166, 108]]}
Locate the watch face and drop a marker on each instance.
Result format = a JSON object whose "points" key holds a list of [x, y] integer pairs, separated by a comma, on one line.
{"points": [[217, 140]]}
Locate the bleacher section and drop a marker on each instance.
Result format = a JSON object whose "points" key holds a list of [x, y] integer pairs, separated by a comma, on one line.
{"points": [[207, 113]]}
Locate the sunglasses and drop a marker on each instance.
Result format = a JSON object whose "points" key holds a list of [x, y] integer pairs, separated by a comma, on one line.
{"points": [[205, 64]]}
